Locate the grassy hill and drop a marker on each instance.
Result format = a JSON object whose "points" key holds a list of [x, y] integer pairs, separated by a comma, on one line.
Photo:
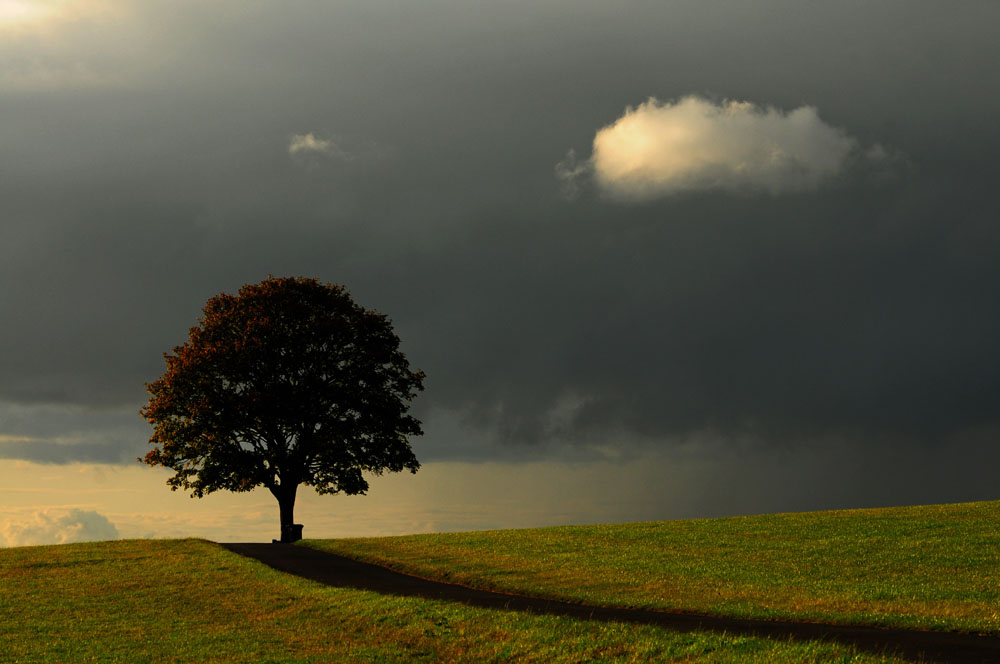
{"points": [[928, 567], [191, 600]]}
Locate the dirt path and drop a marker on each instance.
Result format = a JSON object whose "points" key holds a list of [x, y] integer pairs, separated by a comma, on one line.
{"points": [[334, 570]]}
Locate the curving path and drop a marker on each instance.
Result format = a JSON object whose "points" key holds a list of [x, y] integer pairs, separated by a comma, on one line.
{"points": [[334, 570]]}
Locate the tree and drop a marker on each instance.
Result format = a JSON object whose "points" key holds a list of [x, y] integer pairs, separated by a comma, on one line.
{"points": [[288, 382]]}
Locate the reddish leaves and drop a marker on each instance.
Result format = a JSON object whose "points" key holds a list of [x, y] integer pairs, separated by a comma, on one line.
{"points": [[288, 382]]}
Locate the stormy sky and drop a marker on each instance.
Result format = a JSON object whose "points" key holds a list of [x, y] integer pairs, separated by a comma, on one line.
{"points": [[657, 259]]}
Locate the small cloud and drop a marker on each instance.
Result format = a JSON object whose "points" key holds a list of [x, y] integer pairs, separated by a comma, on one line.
{"points": [[310, 150], [661, 149], [569, 172], [57, 526], [310, 143]]}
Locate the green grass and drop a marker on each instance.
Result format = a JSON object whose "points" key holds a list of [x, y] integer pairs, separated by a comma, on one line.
{"points": [[192, 601], [929, 567]]}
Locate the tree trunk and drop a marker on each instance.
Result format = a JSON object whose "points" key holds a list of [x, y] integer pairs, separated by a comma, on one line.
{"points": [[286, 507]]}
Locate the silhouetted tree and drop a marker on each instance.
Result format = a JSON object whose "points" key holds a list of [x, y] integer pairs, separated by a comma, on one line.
{"points": [[287, 383]]}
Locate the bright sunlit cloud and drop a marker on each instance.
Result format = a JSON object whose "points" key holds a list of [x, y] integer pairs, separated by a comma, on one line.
{"points": [[663, 148]]}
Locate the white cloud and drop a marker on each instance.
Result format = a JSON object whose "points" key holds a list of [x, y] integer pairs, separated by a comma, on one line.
{"points": [[663, 148], [57, 526]]}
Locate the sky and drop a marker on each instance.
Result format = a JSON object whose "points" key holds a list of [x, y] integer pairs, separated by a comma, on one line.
{"points": [[658, 260]]}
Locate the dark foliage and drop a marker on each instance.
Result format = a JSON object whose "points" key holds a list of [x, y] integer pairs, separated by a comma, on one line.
{"points": [[287, 383]]}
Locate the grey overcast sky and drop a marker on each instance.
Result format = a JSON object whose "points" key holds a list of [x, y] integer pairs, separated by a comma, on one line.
{"points": [[749, 250]]}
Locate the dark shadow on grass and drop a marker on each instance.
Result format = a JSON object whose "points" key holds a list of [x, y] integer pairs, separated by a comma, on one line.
{"points": [[334, 570]]}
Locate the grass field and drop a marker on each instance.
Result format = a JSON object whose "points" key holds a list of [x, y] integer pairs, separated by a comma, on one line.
{"points": [[930, 567], [192, 601]]}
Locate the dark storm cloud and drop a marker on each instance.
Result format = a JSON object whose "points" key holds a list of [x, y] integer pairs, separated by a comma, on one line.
{"points": [[821, 320], [863, 309]]}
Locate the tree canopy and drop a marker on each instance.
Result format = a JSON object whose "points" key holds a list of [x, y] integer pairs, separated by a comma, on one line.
{"points": [[288, 382]]}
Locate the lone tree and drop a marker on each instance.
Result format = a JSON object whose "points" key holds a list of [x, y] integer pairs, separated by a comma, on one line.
{"points": [[287, 383]]}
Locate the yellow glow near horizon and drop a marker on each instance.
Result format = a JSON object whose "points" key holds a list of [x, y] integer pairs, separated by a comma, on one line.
{"points": [[442, 497]]}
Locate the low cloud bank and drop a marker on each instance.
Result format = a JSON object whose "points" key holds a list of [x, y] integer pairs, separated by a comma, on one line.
{"points": [[57, 526], [660, 149], [122, 450], [61, 433]]}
